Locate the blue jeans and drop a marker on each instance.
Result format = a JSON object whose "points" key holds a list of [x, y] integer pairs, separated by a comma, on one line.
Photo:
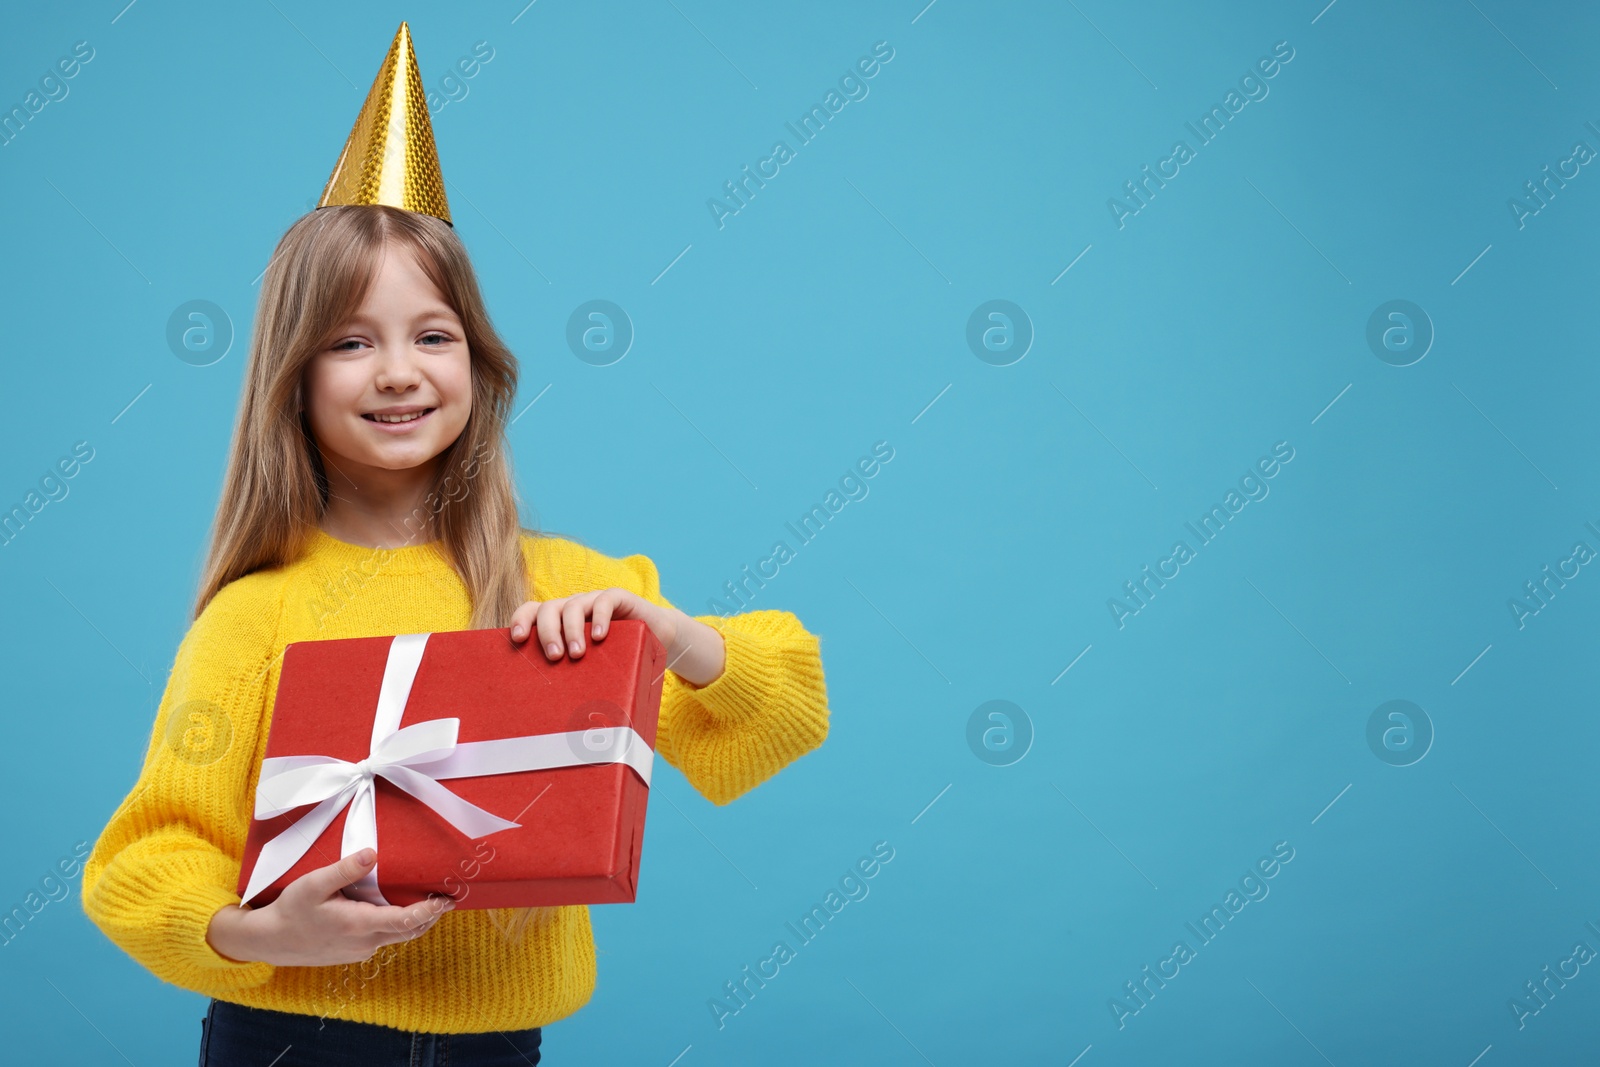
{"points": [[232, 1035]]}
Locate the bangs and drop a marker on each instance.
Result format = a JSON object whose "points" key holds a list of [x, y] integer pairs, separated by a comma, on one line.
{"points": [[332, 268]]}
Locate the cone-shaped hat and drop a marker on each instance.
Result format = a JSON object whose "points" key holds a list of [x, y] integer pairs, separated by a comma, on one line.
{"points": [[390, 157]]}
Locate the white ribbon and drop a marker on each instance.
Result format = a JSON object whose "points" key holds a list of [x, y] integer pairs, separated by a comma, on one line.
{"points": [[413, 759]]}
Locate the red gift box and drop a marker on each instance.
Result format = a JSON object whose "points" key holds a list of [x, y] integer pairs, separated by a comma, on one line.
{"points": [[416, 745]]}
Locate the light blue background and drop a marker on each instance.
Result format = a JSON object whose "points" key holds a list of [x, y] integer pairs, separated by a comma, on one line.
{"points": [[825, 316]]}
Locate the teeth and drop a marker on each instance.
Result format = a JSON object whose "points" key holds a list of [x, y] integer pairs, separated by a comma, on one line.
{"points": [[400, 418]]}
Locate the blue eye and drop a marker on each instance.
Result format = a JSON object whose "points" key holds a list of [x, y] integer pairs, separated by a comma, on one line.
{"points": [[442, 338]]}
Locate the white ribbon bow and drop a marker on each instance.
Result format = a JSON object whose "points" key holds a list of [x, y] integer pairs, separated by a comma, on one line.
{"points": [[413, 759]]}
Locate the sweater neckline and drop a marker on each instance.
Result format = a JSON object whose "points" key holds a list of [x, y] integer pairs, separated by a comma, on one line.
{"points": [[325, 548]]}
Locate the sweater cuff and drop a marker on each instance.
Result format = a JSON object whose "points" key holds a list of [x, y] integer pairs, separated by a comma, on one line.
{"points": [[192, 907], [752, 666]]}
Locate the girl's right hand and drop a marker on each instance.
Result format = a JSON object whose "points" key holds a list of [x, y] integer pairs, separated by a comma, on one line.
{"points": [[311, 923]]}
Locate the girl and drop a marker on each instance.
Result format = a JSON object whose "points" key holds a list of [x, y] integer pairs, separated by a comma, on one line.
{"points": [[368, 492]]}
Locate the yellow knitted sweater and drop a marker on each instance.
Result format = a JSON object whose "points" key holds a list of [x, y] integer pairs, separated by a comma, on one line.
{"points": [[169, 857]]}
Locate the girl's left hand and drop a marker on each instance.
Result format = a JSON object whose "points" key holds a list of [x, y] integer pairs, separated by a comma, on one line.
{"points": [[560, 622]]}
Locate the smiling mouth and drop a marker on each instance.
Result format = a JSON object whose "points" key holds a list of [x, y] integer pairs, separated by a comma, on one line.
{"points": [[411, 417]]}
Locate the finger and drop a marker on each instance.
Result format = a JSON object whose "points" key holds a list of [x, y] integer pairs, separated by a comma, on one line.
{"points": [[600, 615], [424, 915], [522, 620], [404, 923], [400, 933], [572, 617], [335, 876], [549, 625]]}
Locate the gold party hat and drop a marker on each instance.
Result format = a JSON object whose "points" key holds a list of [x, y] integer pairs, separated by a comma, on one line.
{"points": [[390, 157]]}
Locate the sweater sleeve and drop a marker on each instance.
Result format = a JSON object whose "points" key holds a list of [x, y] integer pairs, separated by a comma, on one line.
{"points": [[768, 708], [169, 856]]}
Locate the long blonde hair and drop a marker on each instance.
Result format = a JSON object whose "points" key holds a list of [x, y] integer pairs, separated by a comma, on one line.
{"points": [[276, 487]]}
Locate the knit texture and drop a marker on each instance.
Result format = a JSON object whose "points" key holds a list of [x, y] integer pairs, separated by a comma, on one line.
{"points": [[169, 858]]}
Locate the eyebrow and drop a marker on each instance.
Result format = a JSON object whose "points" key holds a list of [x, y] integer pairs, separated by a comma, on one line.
{"points": [[438, 311]]}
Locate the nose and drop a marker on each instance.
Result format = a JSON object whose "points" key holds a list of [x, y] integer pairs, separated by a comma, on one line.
{"points": [[396, 369]]}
